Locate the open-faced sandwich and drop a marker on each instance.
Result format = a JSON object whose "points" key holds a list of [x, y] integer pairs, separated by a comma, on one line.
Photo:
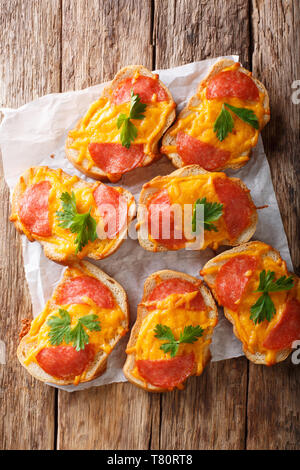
{"points": [[169, 215], [222, 122], [70, 217], [170, 339], [70, 340], [122, 129], [260, 298]]}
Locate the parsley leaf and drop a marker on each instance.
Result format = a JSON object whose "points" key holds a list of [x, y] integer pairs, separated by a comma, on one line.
{"points": [[189, 335], [137, 108], [82, 224], [164, 332], [246, 115], [60, 329], [212, 212], [129, 131], [224, 122], [264, 308]]}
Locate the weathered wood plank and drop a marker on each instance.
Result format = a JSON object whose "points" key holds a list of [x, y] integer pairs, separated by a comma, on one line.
{"points": [[273, 403], [117, 416], [97, 41], [29, 67], [273, 407], [189, 30], [211, 412]]}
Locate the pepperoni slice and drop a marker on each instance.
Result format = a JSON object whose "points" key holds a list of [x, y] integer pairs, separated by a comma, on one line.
{"points": [[167, 373], [193, 151], [72, 291], [34, 209], [65, 362], [232, 83], [231, 280], [161, 221], [287, 329], [177, 286], [145, 87], [116, 159], [238, 208], [112, 207]]}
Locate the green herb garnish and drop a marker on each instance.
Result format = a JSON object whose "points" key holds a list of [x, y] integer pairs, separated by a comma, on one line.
{"points": [[82, 224], [212, 211], [264, 308], [190, 334], [129, 131], [60, 329], [225, 123]]}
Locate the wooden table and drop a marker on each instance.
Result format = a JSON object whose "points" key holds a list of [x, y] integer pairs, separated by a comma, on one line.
{"points": [[57, 45]]}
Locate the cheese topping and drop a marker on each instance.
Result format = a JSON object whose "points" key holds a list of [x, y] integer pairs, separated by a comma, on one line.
{"points": [[174, 312], [99, 125], [184, 191], [62, 238], [200, 121], [253, 335], [112, 322]]}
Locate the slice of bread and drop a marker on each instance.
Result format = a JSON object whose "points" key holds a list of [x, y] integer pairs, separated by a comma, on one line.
{"points": [[94, 171], [98, 366], [194, 102], [50, 249], [258, 357], [142, 313], [148, 192]]}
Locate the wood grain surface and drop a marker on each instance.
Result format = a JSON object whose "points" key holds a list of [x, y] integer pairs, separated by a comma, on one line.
{"points": [[29, 67], [273, 392], [59, 45]]}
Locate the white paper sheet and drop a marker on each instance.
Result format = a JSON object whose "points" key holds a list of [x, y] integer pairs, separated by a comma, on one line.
{"points": [[31, 133]]}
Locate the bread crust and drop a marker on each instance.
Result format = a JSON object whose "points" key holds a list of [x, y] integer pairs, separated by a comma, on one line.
{"points": [[258, 358], [189, 170], [142, 312], [194, 101], [95, 172], [49, 249], [99, 364]]}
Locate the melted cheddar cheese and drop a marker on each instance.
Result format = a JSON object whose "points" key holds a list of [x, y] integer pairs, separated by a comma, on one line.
{"points": [[184, 191], [99, 125], [200, 121], [112, 323], [62, 239], [174, 312], [253, 335]]}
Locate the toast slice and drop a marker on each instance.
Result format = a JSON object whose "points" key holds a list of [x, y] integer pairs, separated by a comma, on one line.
{"points": [[160, 116], [143, 312], [155, 185], [60, 245], [197, 107], [34, 340], [269, 257]]}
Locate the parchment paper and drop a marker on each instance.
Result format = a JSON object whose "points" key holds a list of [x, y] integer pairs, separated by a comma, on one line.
{"points": [[33, 132]]}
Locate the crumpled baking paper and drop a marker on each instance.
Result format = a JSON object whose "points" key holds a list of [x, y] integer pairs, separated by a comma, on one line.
{"points": [[32, 133]]}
